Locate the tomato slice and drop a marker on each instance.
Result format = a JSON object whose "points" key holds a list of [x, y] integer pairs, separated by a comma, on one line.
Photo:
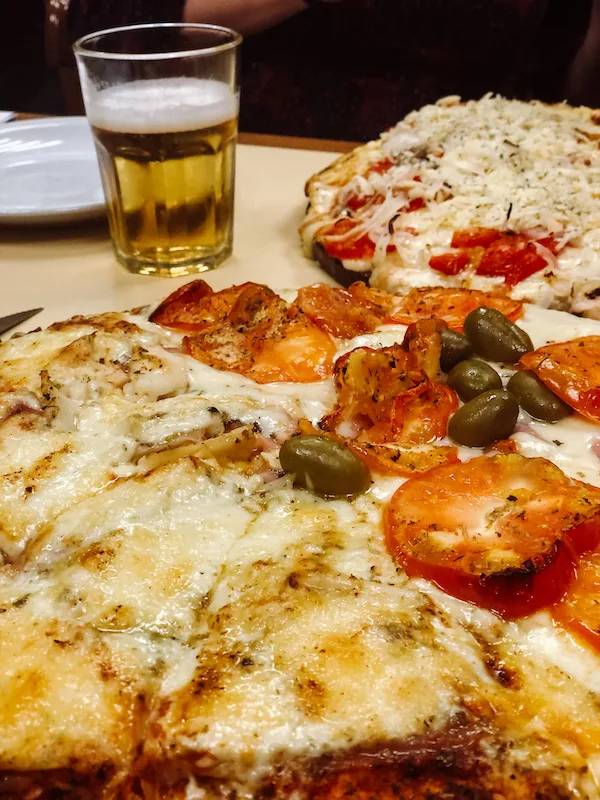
{"points": [[416, 418], [492, 531], [450, 263], [366, 295], [423, 419], [257, 309], [351, 245], [266, 340], [195, 307], [572, 370], [550, 243], [475, 237], [512, 258], [451, 305], [396, 459], [381, 166], [301, 353], [585, 537], [344, 313], [181, 308], [234, 342], [368, 382], [579, 610], [423, 343], [509, 596], [416, 204]]}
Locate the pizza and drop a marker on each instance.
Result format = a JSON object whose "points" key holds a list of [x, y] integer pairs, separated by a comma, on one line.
{"points": [[494, 195], [246, 551]]}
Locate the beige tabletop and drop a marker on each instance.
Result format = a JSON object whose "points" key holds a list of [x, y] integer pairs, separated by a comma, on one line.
{"points": [[71, 269]]}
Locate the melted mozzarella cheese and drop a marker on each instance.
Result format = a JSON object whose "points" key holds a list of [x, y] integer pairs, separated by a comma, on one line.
{"points": [[276, 406], [245, 621], [65, 698]]}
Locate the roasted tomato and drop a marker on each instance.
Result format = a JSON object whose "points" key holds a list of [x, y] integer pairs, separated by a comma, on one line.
{"points": [[266, 340], [257, 310], [500, 532], [345, 312], [451, 305], [397, 459], [371, 383], [572, 370], [475, 237], [239, 337], [450, 263], [512, 258], [416, 204], [416, 418], [195, 307], [550, 243], [502, 446], [380, 167], [340, 241], [355, 203], [366, 295], [423, 343], [579, 610], [368, 382], [423, 419], [389, 396], [300, 352], [391, 458]]}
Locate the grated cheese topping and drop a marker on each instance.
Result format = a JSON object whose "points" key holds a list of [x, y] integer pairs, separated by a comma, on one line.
{"points": [[529, 168]]}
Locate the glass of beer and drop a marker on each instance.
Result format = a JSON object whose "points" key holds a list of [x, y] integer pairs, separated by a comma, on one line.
{"points": [[163, 101]]}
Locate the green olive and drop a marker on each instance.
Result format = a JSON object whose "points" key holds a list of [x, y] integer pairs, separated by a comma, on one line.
{"points": [[485, 419], [536, 398], [473, 377], [324, 466], [494, 336], [455, 347]]}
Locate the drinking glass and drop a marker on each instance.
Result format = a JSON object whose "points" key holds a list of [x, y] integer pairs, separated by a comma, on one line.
{"points": [[162, 101]]}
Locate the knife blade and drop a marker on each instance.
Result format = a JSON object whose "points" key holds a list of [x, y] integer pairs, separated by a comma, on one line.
{"points": [[12, 320]]}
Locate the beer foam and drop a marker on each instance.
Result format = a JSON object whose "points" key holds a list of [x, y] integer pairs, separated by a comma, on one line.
{"points": [[166, 105]]}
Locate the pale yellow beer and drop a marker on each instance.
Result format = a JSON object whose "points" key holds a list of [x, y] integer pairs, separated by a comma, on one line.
{"points": [[166, 150]]}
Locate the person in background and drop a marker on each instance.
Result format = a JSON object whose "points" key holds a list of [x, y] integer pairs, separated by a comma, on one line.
{"points": [[348, 69]]}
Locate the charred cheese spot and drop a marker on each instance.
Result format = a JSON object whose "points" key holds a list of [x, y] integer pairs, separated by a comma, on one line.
{"points": [[91, 710]]}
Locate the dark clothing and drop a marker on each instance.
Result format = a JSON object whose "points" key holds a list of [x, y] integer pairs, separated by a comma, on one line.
{"points": [[22, 64], [349, 70], [87, 16]]}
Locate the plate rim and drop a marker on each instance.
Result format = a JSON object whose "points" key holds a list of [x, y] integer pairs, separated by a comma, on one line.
{"points": [[56, 214]]}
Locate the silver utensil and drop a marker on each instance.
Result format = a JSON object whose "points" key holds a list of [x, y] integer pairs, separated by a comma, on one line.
{"points": [[12, 320]]}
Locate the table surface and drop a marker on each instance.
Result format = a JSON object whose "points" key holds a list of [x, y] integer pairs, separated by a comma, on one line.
{"points": [[71, 269]]}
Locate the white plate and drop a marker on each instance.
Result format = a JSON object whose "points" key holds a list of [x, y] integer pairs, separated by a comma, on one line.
{"points": [[48, 172]]}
